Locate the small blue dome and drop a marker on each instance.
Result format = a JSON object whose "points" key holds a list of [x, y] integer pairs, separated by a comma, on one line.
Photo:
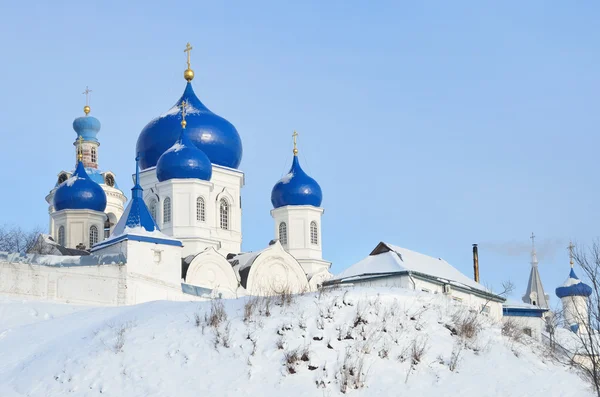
{"points": [[214, 135], [296, 188], [87, 127], [183, 161], [573, 287], [79, 192]]}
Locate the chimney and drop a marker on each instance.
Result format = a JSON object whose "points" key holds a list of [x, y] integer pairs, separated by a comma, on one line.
{"points": [[475, 263]]}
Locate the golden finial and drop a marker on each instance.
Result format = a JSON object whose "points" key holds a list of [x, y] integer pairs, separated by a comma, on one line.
{"points": [[189, 73], [183, 122], [571, 246], [80, 148], [86, 108], [295, 135]]}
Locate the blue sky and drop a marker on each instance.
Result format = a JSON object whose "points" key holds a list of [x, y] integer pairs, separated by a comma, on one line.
{"points": [[430, 125]]}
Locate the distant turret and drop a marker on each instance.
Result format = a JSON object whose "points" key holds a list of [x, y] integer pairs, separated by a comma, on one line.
{"points": [[535, 294]]}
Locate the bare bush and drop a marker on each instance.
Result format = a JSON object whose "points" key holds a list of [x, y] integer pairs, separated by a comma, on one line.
{"points": [[291, 359], [217, 314], [418, 348], [222, 336], [352, 374], [456, 355], [467, 325], [512, 329], [120, 330]]}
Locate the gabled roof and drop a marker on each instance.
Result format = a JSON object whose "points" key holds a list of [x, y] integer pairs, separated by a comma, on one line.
{"points": [[535, 285], [387, 260]]}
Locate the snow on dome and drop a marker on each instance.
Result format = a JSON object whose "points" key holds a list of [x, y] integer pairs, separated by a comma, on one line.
{"points": [[79, 192], [214, 135], [296, 188], [573, 287], [183, 161]]}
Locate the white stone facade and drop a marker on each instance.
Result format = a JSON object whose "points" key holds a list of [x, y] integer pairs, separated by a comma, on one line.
{"points": [[73, 228], [298, 229], [221, 225]]}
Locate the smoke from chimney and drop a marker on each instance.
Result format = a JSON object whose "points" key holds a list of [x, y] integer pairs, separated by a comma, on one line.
{"points": [[475, 263]]}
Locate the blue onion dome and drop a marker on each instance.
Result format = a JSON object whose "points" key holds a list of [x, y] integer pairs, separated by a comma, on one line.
{"points": [[296, 188], [79, 192], [214, 135], [573, 287], [183, 160], [87, 127]]}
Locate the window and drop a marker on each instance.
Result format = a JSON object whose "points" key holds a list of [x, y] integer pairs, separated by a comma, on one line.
{"points": [[224, 214], [283, 233], [93, 236], [485, 309], [61, 235], [62, 177], [200, 210], [425, 290], [314, 234], [94, 155], [152, 208], [109, 180], [167, 210], [107, 227]]}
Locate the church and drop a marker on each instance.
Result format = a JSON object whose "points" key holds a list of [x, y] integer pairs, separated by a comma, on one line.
{"points": [[180, 235]]}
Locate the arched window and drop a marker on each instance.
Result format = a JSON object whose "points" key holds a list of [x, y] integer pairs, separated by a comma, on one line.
{"points": [[152, 208], [94, 155], [314, 234], [167, 210], [61, 235], [93, 236], [200, 210], [224, 214], [283, 233]]}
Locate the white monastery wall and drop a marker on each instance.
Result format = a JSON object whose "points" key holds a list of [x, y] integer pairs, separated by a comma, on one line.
{"points": [[532, 326]]}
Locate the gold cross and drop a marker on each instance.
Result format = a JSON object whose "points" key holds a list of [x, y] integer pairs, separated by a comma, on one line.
{"points": [[295, 136], [87, 96], [571, 246], [188, 49], [80, 148], [183, 122]]}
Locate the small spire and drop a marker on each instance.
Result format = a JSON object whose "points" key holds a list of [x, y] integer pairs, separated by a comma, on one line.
{"points": [[189, 73], [86, 108], [571, 247], [295, 136], [137, 189], [80, 149], [183, 122]]}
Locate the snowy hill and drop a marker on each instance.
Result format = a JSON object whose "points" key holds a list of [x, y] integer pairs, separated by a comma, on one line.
{"points": [[365, 342]]}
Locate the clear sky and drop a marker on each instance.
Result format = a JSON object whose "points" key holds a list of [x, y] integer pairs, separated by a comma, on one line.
{"points": [[430, 125]]}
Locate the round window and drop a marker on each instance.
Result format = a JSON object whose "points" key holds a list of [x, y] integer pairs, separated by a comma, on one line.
{"points": [[109, 180]]}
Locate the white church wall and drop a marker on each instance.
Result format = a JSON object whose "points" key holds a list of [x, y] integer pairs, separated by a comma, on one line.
{"points": [[226, 183], [211, 270], [77, 224], [404, 281], [575, 309], [95, 285], [275, 271]]}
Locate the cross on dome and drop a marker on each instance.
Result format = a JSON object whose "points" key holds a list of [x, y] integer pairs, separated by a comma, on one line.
{"points": [[189, 73], [86, 108], [295, 136]]}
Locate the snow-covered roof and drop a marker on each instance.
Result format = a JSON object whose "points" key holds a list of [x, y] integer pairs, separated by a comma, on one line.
{"points": [[387, 259], [63, 261]]}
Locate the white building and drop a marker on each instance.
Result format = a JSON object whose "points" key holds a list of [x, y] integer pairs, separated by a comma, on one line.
{"points": [[180, 237], [392, 266]]}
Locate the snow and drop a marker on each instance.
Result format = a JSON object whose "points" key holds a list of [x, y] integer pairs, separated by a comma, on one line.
{"points": [[176, 147], [156, 349], [69, 182], [287, 178], [63, 261], [402, 259]]}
